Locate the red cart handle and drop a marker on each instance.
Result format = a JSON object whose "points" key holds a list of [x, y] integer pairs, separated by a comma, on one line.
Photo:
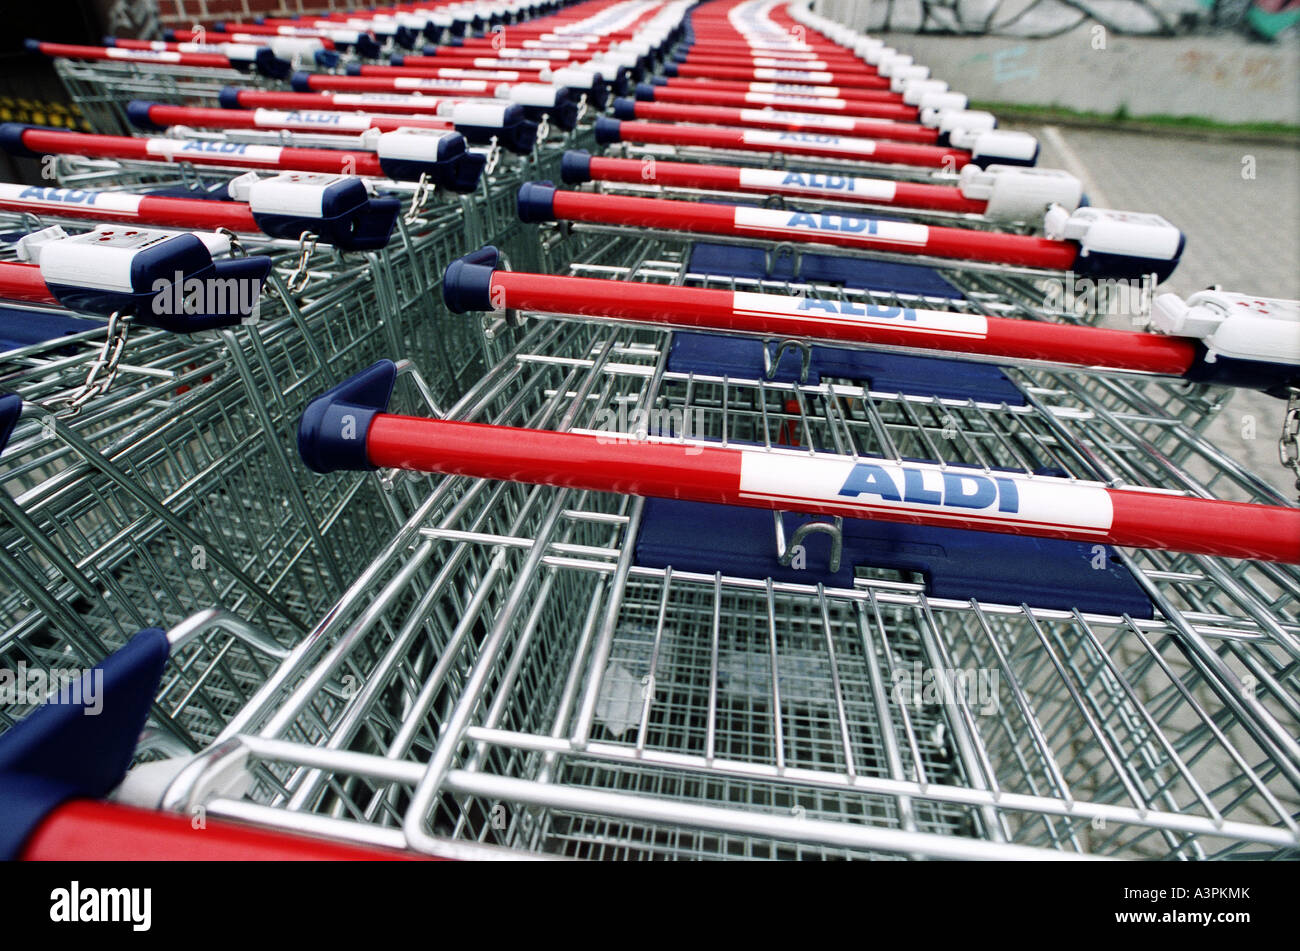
{"points": [[474, 284], [405, 155], [788, 143], [195, 151], [540, 202], [690, 85], [192, 214], [781, 121], [817, 105], [89, 831], [347, 428], [169, 57], [577, 167], [161, 116], [864, 79]]}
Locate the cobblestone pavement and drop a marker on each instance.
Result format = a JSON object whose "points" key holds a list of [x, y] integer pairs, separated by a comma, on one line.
{"points": [[1243, 233]]}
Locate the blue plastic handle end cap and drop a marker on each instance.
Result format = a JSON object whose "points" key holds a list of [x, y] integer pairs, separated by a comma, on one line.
{"points": [[645, 92], [575, 166], [536, 202], [11, 138], [228, 98], [670, 69], [624, 108], [31, 45], [270, 65], [353, 69], [332, 433], [608, 130], [397, 59], [467, 282], [301, 81], [137, 110], [658, 81]]}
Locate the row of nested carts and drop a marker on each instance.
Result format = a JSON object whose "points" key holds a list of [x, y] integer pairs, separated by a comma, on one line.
{"points": [[620, 429]]}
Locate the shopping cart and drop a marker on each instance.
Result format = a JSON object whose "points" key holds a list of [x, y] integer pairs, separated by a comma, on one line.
{"points": [[152, 474], [583, 673]]}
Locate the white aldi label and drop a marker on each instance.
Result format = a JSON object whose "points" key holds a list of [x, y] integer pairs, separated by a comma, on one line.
{"points": [[71, 198], [459, 85], [795, 89], [939, 494], [299, 119], [842, 123], [771, 99], [809, 225], [158, 56], [803, 64], [180, 150], [379, 99], [794, 75], [856, 313], [809, 142], [813, 183]]}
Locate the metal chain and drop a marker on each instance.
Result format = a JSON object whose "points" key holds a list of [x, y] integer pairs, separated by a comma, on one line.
{"points": [[423, 189], [493, 157], [1288, 446], [302, 273], [103, 370]]}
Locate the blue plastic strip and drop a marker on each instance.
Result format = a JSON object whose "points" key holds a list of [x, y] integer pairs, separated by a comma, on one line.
{"points": [[955, 563], [25, 328], [730, 261], [63, 750], [742, 358]]}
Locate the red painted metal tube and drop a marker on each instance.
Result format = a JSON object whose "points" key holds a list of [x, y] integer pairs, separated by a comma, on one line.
{"points": [[874, 191], [820, 105], [87, 831], [465, 82], [838, 321], [506, 73], [120, 54], [785, 89], [346, 102], [842, 230], [230, 154], [916, 493], [194, 214], [852, 80], [784, 121], [23, 282], [326, 121], [213, 36], [795, 143]]}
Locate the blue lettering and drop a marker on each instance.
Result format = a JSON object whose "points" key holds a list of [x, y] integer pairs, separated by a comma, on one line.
{"points": [[1008, 495], [914, 489], [818, 303], [76, 196], [983, 492], [794, 178], [873, 479]]}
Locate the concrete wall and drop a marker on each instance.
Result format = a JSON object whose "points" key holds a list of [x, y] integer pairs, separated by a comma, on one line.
{"points": [[1221, 77]]}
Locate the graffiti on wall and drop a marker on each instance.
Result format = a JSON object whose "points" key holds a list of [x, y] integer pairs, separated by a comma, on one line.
{"points": [[1269, 20]]}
